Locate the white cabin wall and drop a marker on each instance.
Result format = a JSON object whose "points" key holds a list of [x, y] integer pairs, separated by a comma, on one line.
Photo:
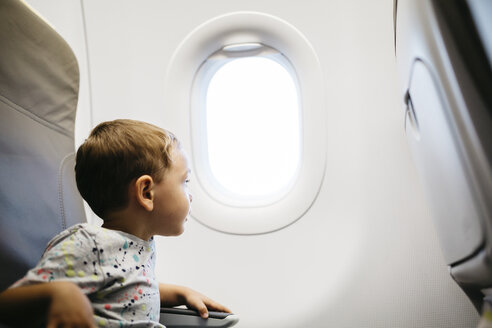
{"points": [[365, 254]]}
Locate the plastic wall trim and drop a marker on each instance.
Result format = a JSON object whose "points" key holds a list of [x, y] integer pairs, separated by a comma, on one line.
{"points": [[252, 27]]}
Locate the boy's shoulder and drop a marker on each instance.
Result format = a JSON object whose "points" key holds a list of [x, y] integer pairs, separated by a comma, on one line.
{"points": [[78, 231], [89, 235]]}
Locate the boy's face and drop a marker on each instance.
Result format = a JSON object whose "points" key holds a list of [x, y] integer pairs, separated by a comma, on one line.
{"points": [[171, 197]]}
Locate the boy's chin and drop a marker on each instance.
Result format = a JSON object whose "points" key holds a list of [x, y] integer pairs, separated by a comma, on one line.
{"points": [[174, 233], [177, 232], [180, 232]]}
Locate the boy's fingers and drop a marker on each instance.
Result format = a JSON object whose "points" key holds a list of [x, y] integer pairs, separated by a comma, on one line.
{"points": [[199, 306], [202, 309], [203, 304], [216, 306]]}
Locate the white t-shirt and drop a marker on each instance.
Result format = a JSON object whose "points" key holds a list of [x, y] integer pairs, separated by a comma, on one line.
{"points": [[113, 268]]}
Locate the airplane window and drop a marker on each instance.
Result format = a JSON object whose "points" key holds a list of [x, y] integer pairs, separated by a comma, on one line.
{"points": [[245, 92], [252, 124]]}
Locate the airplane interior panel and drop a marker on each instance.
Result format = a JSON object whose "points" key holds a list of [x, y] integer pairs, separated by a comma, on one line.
{"points": [[373, 204]]}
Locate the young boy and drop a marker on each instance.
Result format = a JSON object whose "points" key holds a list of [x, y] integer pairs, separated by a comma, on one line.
{"points": [[134, 176]]}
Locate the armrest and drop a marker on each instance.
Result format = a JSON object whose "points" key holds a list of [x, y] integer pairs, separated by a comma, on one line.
{"points": [[185, 318]]}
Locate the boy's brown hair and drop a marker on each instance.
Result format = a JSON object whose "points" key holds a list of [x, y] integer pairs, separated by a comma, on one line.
{"points": [[116, 153]]}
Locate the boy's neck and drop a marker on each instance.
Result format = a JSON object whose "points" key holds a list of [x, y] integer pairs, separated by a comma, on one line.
{"points": [[125, 221]]}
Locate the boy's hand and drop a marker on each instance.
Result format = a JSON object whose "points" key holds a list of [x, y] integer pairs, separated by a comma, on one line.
{"points": [[69, 307], [202, 303], [172, 295]]}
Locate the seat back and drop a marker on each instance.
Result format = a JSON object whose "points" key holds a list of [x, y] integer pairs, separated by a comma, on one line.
{"points": [[39, 82], [444, 60]]}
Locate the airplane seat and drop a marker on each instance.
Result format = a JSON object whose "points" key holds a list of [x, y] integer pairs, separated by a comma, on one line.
{"points": [[444, 60], [39, 84]]}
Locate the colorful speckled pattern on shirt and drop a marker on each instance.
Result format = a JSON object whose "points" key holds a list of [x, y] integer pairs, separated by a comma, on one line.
{"points": [[114, 269]]}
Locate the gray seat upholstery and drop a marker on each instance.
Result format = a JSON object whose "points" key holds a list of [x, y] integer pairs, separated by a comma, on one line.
{"points": [[444, 60], [39, 82]]}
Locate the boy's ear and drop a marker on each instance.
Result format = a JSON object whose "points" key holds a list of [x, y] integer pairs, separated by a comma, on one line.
{"points": [[145, 192]]}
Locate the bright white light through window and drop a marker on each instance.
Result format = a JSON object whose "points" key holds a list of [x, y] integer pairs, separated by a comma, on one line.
{"points": [[253, 127]]}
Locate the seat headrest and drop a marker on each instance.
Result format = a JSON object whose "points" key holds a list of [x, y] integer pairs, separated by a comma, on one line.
{"points": [[38, 70]]}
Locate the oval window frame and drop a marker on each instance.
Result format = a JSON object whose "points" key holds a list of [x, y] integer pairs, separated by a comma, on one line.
{"points": [[199, 133], [240, 28]]}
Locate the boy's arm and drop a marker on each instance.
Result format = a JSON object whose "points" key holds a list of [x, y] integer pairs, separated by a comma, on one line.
{"points": [[59, 304], [173, 295]]}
